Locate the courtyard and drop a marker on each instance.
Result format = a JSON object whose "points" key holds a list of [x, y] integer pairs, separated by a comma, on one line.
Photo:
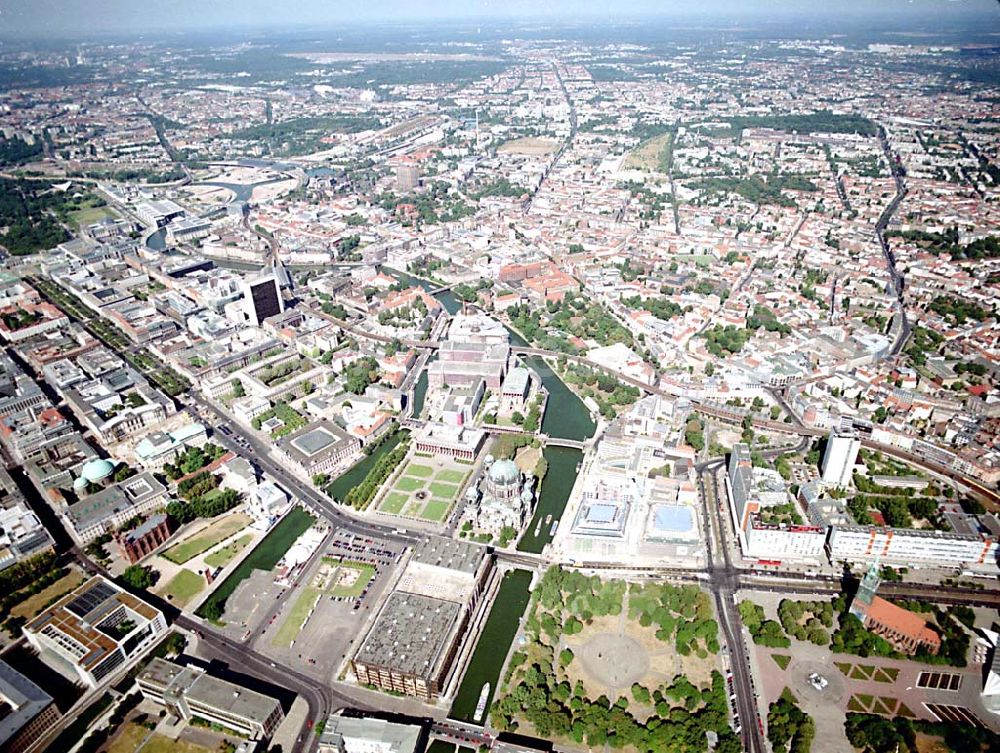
{"points": [[426, 489]]}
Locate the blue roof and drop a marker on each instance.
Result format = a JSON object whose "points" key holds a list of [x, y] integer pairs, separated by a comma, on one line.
{"points": [[601, 513], [673, 518]]}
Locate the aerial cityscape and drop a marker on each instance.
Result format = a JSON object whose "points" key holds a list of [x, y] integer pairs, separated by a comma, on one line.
{"points": [[458, 377]]}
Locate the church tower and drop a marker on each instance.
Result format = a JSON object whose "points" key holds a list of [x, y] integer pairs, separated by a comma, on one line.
{"points": [[866, 592]]}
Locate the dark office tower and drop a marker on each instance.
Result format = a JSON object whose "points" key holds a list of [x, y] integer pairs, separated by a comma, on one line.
{"points": [[262, 298]]}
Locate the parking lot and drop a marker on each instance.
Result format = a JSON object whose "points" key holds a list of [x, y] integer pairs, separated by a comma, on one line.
{"points": [[329, 607]]}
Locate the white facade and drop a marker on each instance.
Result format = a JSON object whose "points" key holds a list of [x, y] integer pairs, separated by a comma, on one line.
{"points": [[869, 543], [785, 543], [839, 459]]}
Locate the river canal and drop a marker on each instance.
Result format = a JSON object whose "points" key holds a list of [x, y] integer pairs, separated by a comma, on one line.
{"points": [[356, 473], [494, 642]]}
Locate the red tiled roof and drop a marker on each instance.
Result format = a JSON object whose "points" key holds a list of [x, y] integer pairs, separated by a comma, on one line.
{"points": [[902, 620]]}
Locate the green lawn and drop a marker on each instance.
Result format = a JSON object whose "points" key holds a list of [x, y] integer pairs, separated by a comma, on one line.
{"points": [[409, 484], [183, 587], [450, 476], [205, 539], [444, 491], [782, 660], [420, 471], [862, 672], [393, 502], [885, 706], [222, 557], [367, 573], [296, 618], [133, 737], [435, 509], [90, 215]]}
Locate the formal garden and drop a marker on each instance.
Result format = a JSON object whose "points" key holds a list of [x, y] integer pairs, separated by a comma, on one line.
{"points": [[426, 489]]}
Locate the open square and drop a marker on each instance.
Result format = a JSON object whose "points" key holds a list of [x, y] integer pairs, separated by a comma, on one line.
{"points": [[425, 490], [301, 608], [333, 579]]}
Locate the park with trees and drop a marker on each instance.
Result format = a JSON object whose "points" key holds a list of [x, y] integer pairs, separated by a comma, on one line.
{"points": [[545, 691]]}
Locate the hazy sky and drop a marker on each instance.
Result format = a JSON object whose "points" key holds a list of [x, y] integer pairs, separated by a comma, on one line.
{"points": [[33, 17]]}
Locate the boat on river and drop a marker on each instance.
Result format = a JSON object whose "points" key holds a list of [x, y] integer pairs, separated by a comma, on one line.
{"points": [[484, 694]]}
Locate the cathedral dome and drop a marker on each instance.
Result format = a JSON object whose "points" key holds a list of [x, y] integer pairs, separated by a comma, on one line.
{"points": [[504, 472]]}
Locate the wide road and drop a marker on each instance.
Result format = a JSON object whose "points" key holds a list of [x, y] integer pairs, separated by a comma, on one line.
{"points": [[247, 442], [890, 261], [723, 582]]}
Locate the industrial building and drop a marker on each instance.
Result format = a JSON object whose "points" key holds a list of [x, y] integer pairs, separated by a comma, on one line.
{"points": [[411, 646]]}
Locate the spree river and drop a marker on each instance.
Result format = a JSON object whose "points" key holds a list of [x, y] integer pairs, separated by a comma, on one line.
{"points": [[491, 650]]}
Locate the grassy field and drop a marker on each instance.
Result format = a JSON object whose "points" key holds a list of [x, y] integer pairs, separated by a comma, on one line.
{"points": [[420, 471], [130, 738], [408, 484], [367, 573], [296, 618], [265, 555], [35, 604], [183, 587], [529, 145], [440, 484], [443, 491], [393, 502], [206, 538], [451, 477], [436, 509], [651, 154], [90, 215], [222, 557]]}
